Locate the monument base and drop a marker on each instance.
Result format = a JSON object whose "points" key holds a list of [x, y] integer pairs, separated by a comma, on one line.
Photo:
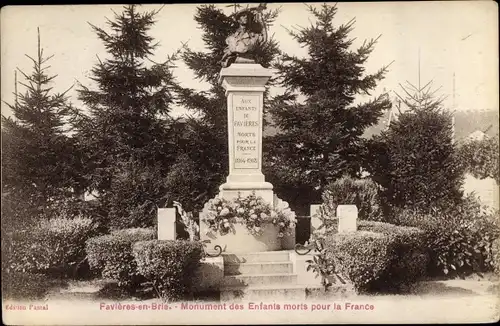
{"points": [[240, 240], [230, 190]]}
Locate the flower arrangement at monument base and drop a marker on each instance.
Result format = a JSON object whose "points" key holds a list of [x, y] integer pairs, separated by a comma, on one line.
{"points": [[247, 223]]}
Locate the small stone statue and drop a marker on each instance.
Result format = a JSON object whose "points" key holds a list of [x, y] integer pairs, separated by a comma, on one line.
{"points": [[251, 31]]}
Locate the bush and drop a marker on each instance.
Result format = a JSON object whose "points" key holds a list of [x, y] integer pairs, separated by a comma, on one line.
{"points": [[135, 234], [92, 209], [495, 249], [189, 184], [348, 191], [459, 240], [169, 266], [52, 246], [111, 255], [380, 257], [27, 286], [480, 158]]}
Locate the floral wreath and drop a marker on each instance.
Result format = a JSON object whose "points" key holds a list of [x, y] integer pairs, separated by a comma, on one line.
{"points": [[252, 211]]}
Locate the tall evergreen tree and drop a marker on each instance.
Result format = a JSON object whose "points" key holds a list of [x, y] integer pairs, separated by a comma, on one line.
{"points": [[128, 135], [416, 161], [37, 153], [206, 142], [319, 138]]}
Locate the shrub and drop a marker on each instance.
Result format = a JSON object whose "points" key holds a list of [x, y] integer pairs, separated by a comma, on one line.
{"points": [[135, 234], [169, 266], [348, 191], [92, 209], [188, 183], [111, 255], [480, 158], [495, 249], [54, 245], [459, 240], [28, 286], [380, 257]]}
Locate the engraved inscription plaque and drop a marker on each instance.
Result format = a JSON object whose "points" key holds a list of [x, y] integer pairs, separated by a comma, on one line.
{"points": [[246, 131]]}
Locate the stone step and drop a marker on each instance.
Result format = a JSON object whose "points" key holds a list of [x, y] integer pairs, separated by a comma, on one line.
{"points": [[275, 292], [258, 268], [260, 279], [257, 257]]}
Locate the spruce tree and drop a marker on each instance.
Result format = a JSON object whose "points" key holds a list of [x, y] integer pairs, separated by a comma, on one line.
{"points": [[319, 138], [415, 160], [128, 135], [205, 144], [37, 152]]}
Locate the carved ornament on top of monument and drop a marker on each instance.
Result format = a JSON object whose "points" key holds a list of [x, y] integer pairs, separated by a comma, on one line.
{"points": [[251, 32]]}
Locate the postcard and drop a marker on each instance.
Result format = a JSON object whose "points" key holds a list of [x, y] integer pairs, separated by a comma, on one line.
{"points": [[250, 163]]}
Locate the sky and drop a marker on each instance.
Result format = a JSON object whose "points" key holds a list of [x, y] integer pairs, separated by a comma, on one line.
{"points": [[450, 38]]}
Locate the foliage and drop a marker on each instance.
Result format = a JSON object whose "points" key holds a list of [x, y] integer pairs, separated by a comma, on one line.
{"points": [[51, 246], [459, 240], [128, 136], [190, 225], [415, 160], [480, 157], [111, 255], [349, 191], [39, 158], [28, 286], [252, 211], [187, 183], [379, 257], [204, 142], [135, 191], [319, 138], [169, 266], [495, 250]]}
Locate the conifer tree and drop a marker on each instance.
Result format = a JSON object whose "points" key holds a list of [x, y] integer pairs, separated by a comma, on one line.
{"points": [[205, 144], [415, 160], [128, 133], [37, 153], [319, 137]]}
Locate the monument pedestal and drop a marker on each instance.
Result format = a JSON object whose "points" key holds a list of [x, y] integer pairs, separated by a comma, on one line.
{"points": [[245, 86]]}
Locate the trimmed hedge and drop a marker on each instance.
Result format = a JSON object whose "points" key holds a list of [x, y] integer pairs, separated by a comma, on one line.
{"points": [[111, 255], [169, 266], [51, 246], [380, 257]]}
